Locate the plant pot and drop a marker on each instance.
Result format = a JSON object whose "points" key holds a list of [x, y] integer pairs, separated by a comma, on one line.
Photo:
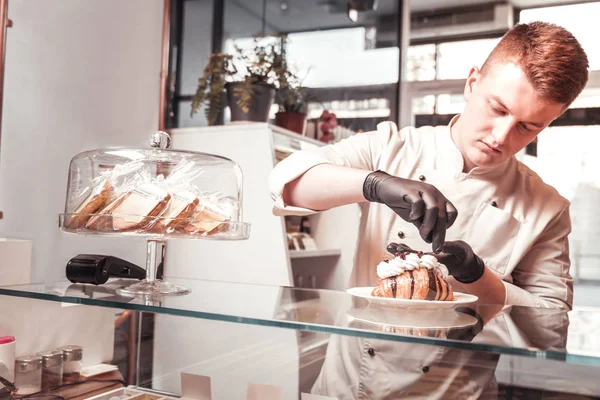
{"points": [[292, 121], [263, 96]]}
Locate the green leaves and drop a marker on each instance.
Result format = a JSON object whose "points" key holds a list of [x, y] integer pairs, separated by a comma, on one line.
{"points": [[244, 95], [210, 86]]}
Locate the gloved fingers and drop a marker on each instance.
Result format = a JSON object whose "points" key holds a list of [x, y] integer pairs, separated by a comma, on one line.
{"points": [[417, 206], [439, 232], [451, 213], [432, 211]]}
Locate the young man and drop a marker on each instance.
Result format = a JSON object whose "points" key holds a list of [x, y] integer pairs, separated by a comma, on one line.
{"points": [[508, 238]]}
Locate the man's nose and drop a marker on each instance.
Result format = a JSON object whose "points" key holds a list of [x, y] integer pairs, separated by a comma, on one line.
{"points": [[501, 131]]}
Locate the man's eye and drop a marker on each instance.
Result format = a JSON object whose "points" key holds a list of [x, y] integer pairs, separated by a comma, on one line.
{"points": [[523, 127], [498, 111]]}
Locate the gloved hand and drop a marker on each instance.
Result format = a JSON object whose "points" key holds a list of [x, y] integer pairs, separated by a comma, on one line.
{"points": [[462, 263], [416, 202]]}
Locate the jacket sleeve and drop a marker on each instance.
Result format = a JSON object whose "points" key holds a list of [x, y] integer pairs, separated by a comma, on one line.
{"points": [[360, 151], [542, 279]]}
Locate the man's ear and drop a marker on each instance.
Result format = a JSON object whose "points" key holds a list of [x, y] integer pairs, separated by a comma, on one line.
{"points": [[472, 80]]}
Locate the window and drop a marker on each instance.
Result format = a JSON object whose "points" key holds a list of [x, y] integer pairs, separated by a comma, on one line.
{"points": [[348, 109], [423, 105], [455, 59], [420, 62], [438, 104], [567, 159], [451, 60], [450, 104], [590, 97], [341, 59]]}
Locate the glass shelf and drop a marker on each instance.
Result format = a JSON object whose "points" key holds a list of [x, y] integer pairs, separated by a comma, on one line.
{"points": [[542, 333]]}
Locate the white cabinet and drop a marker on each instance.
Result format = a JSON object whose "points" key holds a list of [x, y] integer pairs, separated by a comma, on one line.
{"points": [[265, 257]]}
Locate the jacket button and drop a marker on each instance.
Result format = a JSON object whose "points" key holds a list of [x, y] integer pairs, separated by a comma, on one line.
{"points": [[494, 204], [401, 235], [422, 178], [425, 369], [371, 352]]}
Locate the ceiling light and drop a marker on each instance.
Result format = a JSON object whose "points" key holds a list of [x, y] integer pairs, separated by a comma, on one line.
{"points": [[353, 15]]}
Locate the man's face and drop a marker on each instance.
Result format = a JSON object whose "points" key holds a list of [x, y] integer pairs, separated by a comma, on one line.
{"points": [[503, 114]]}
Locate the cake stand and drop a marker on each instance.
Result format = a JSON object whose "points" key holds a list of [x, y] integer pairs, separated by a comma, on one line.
{"points": [[218, 176]]}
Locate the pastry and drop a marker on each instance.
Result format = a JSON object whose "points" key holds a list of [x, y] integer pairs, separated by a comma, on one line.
{"points": [[133, 210], [94, 202], [178, 212], [208, 219], [102, 221], [140, 208], [413, 276]]}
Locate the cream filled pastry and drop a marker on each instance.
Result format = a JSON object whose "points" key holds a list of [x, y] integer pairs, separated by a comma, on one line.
{"points": [[413, 276]]}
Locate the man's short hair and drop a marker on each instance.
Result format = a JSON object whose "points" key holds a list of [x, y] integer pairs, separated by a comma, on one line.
{"points": [[549, 55]]}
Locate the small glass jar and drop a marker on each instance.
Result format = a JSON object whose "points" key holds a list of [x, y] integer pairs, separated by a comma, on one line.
{"points": [[72, 356], [28, 374], [52, 368]]}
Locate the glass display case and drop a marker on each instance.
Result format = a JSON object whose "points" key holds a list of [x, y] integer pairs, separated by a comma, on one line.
{"points": [[241, 340]]}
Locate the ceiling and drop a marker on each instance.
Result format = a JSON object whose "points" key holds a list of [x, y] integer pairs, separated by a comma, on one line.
{"points": [[245, 17], [544, 3], [423, 5]]}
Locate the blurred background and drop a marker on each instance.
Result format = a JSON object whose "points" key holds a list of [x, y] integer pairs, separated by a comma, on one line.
{"points": [[357, 61]]}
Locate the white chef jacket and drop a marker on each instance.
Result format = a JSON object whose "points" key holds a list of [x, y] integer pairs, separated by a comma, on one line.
{"points": [[374, 369], [514, 221]]}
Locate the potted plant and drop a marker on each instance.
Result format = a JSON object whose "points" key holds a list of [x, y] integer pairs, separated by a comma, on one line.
{"points": [[251, 92], [251, 99], [292, 99]]}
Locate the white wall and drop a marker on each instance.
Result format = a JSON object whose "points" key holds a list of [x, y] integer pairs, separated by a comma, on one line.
{"points": [[79, 75], [62, 324]]}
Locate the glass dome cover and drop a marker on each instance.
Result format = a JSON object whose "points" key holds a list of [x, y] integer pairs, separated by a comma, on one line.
{"points": [[156, 193]]}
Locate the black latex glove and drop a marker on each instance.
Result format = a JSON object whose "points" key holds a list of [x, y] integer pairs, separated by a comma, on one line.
{"points": [[462, 263], [414, 201]]}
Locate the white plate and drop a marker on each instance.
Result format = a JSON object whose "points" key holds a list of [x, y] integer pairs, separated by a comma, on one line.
{"points": [[412, 318], [459, 300]]}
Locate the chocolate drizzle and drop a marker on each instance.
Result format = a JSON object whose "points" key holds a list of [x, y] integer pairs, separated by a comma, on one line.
{"points": [[432, 287], [394, 286], [443, 287], [412, 284]]}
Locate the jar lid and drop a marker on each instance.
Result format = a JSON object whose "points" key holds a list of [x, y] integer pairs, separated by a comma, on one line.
{"points": [[72, 353], [51, 358], [6, 339], [28, 363]]}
